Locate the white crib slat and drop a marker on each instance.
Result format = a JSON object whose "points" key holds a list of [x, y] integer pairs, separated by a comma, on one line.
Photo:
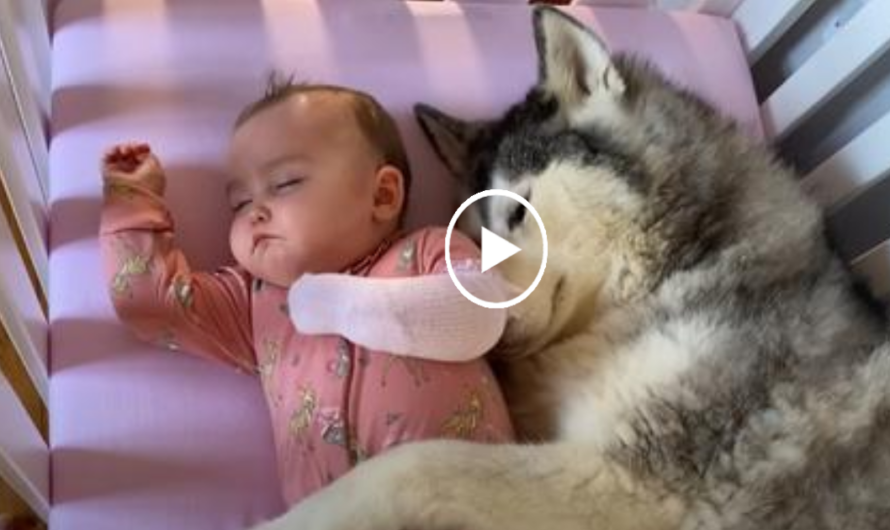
{"points": [[24, 46], [20, 313], [33, 357], [21, 182], [710, 7], [24, 456], [829, 70], [481, 1], [36, 52], [30, 220], [615, 3], [762, 22], [861, 162], [874, 265]]}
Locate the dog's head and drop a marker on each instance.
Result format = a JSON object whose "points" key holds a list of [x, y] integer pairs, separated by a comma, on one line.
{"points": [[617, 161]]}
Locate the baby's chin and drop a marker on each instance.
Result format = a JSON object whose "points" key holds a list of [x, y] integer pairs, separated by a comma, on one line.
{"points": [[282, 267], [277, 276], [284, 277], [283, 282]]}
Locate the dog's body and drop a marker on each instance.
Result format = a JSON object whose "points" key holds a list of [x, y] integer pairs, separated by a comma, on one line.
{"points": [[695, 357]]}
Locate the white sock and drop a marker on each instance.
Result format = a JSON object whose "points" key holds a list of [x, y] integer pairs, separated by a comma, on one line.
{"points": [[421, 316]]}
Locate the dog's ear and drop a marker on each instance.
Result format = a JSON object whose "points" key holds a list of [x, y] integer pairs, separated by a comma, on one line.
{"points": [[449, 136], [573, 63]]}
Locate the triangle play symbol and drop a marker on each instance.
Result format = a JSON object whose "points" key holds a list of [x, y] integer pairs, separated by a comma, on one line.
{"points": [[495, 249]]}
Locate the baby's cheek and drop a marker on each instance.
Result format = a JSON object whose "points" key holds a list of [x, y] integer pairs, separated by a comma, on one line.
{"points": [[237, 245]]}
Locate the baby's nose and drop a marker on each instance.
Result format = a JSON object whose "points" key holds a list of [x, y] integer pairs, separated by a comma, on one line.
{"points": [[259, 213]]}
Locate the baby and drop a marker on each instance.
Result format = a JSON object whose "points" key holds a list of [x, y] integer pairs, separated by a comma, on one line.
{"points": [[318, 185]]}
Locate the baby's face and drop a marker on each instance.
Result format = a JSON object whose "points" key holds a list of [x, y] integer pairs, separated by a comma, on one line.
{"points": [[302, 189]]}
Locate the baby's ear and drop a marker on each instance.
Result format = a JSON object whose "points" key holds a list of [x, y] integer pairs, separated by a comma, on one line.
{"points": [[389, 193]]}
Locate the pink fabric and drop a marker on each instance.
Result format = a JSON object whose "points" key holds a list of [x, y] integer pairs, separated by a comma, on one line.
{"points": [[147, 440], [332, 403]]}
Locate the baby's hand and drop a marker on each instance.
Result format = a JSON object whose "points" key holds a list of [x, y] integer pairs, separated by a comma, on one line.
{"points": [[134, 162]]}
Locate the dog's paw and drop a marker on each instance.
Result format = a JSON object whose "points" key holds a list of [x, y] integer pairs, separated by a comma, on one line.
{"points": [[363, 499], [323, 511], [268, 525]]}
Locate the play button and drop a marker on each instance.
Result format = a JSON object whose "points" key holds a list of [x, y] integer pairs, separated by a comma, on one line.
{"points": [[495, 249]]}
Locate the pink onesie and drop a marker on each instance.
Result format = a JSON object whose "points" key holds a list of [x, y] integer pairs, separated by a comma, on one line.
{"points": [[332, 403]]}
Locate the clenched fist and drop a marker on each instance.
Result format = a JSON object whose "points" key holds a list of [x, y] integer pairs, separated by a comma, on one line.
{"points": [[136, 163]]}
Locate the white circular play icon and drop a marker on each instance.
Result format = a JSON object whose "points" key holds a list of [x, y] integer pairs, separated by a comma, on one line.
{"points": [[495, 249]]}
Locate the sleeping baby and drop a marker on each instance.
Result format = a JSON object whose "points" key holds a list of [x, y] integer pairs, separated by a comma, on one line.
{"points": [[359, 337]]}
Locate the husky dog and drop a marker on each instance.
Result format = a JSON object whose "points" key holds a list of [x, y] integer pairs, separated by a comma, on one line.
{"points": [[696, 356]]}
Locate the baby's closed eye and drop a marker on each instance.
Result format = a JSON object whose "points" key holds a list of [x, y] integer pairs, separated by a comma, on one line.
{"points": [[239, 205], [289, 183]]}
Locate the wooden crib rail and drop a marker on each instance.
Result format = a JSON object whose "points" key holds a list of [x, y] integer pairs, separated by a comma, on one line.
{"points": [[24, 381], [16, 515]]}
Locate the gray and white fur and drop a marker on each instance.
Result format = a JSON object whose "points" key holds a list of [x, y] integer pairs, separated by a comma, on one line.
{"points": [[696, 356]]}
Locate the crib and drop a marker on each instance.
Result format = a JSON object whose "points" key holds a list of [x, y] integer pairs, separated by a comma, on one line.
{"points": [[99, 431]]}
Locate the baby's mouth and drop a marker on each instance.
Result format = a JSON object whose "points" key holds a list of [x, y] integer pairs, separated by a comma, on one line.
{"points": [[260, 240]]}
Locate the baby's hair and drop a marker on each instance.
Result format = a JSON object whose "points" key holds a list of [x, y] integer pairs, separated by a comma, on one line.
{"points": [[376, 124]]}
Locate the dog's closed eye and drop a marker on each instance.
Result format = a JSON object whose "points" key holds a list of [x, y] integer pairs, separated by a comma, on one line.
{"points": [[517, 216]]}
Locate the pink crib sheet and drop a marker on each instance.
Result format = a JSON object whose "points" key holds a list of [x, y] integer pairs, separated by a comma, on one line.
{"points": [[148, 439]]}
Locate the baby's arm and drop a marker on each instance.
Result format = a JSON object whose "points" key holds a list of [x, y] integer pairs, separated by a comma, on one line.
{"points": [[153, 289], [422, 316]]}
